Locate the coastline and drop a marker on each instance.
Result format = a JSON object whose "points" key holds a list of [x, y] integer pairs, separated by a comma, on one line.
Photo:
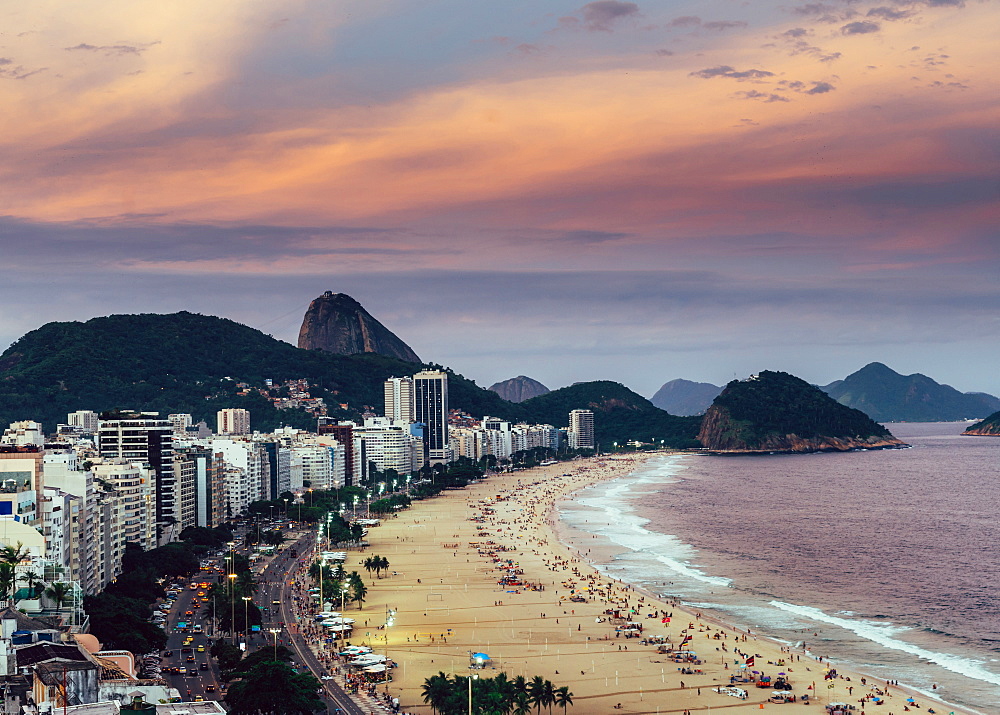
{"points": [[456, 606]]}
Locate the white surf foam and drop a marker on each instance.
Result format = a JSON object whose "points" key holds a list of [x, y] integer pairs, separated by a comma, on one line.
{"points": [[885, 635], [612, 502]]}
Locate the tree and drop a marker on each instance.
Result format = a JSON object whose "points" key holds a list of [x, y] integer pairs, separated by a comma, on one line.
{"points": [[436, 690], [32, 580], [58, 592], [272, 688], [358, 589], [382, 565], [564, 698], [536, 692], [6, 579]]}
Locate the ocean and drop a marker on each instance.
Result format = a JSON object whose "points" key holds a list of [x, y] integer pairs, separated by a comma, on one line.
{"points": [[885, 561]]}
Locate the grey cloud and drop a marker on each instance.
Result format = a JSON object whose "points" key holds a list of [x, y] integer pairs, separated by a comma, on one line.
{"points": [[862, 27], [796, 32], [600, 16], [821, 88], [685, 21], [767, 97], [591, 237], [10, 71], [720, 25], [664, 53], [727, 71], [888, 13], [112, 49]]}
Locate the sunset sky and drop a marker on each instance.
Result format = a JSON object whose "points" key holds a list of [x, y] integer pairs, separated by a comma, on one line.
{"points": [[611, 190]]}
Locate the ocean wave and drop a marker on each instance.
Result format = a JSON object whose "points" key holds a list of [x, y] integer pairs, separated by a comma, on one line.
{"points": [[613, 503], [885, 634]]}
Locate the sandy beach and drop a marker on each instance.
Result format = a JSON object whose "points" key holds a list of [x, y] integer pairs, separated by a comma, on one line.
{"points": [[448, 556]]}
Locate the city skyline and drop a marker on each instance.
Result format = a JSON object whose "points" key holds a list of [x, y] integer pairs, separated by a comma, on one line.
{"points": [[571, 191]]}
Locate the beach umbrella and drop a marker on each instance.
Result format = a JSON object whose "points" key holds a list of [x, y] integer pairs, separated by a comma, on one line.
{"points": [[910, 700], [480, 657]]}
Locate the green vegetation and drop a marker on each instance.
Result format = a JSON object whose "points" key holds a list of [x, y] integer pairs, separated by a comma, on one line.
{"points": [[620, 415], [188, 363], [990, 426], [778, 404], [273, 688], [499, 695], [886, 396], [177, 363]]}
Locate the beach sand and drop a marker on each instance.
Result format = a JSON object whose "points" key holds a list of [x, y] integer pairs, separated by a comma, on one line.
{"points": [[443, 586]]}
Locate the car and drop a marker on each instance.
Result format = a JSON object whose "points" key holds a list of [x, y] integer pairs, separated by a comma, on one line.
{"points": [[209, 688], [188, 613], [201, 648], [275, 603], [199, 698], [203, 666], [192, 671], [203, 584], [190, 659], [167, 653], [193, 586]]}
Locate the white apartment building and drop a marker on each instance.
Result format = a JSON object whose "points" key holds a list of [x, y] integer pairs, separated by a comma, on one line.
{"points": [[85, 420], [22, 434], [245, 474], [321, 465], [399, 399], [390, 445], [121, 511], [581, 429], [234, 421]]}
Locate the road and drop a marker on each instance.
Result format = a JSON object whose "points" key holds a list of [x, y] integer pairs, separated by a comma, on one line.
{"points": [[277, 586]]}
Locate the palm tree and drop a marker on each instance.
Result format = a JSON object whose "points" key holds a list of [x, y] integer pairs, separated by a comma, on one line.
{"points": [[246, 584], [536, 692], [370, 564], [32, 580], [548, 695], [58, 592], [383, 565], [358, 589], [6, 579], [564, 698], [435, 691]]}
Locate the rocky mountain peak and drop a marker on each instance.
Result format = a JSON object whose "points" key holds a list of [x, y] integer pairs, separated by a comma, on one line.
{"points": [[336, 323]]}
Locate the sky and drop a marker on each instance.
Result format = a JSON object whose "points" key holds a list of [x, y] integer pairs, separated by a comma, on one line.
{"points": [[634, 191]]}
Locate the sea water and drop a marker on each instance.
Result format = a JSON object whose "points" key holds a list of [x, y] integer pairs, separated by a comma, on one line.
{"points": [[885, 561]]}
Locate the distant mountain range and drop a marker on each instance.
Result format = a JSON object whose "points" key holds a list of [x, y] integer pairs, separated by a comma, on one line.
{"points": [[886, 396], [683, 397], [519, 389], [880, 392]]}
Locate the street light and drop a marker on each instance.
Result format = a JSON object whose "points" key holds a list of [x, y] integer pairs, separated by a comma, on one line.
{"points": [[246, 620], [232, 605], [275, 632], [472, 676]]}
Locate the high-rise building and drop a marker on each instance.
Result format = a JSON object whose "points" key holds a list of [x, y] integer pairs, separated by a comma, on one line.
{"points": [[399, 399], [343, 432], [233, 420], [86, 420], [148, 440], [430, 399], [581, 429]]}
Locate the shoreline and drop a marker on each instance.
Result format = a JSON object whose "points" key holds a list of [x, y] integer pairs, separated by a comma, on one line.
{"points": [[456, 606]]}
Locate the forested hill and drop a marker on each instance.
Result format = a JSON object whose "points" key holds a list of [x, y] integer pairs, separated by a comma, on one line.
{"points": [[775, 411], [620, 415], [183, 362]]}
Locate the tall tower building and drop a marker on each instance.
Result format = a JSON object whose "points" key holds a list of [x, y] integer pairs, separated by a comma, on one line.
{"points": [[146, 439], [399, 399], [430, 399], [233, 420], [86, 420], [581, 429]]}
